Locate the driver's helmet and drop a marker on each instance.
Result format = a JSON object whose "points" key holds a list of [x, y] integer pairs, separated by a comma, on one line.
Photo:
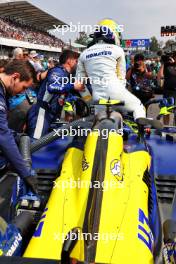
{"points": [[108, 30]]}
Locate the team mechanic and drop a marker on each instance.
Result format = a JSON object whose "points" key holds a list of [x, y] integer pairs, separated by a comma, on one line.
{"points": [[16, 78], [45, 111], [104, 62]]}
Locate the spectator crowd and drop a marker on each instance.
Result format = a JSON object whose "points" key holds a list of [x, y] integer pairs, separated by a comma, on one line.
{"points": [[15, 30]]}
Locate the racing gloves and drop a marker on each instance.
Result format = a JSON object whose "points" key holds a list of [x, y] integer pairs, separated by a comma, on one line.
{"points": [[31, 182]]}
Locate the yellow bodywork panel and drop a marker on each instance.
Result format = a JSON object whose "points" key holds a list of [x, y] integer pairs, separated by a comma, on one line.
{"points": [[123, 235]]}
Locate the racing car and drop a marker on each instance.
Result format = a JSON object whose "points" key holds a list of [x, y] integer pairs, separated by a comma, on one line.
{"points": [[115, 217]]}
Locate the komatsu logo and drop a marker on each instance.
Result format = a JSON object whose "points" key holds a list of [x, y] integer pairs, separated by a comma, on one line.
{"points": [[96, 54], [15, 245]]}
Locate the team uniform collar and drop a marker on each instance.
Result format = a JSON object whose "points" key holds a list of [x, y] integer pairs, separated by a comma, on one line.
{"points": [[3, 86]]}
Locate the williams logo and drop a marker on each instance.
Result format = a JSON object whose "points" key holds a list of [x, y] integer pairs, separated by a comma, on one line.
{"points": [[116, 170], [85, 164]]}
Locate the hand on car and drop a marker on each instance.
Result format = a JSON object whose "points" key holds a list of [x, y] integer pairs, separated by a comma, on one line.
{"points": [[78, 86], [31, 182]]}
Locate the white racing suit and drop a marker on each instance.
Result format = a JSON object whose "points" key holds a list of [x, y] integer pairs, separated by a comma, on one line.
{"points": [[104, 64]]}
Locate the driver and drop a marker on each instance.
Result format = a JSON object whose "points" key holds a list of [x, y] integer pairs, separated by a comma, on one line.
{"points": [[104, 64]]}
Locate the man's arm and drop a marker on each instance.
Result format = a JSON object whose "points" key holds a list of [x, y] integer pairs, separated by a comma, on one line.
{"points": [[59, 83], [121, 67], [160, 76], [128, 75], [81, 74], [42, 75], [147, 72], [8, 145]]}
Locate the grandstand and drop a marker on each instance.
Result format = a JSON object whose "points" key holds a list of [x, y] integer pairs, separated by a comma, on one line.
{"points": [[25, 25]]}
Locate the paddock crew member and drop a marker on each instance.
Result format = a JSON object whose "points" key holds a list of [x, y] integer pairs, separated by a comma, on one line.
{"points": [[45, 111], [104, 63], [17, 76]]}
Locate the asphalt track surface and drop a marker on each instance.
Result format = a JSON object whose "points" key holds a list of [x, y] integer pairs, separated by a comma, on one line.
{"points": [[7, 184]]}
